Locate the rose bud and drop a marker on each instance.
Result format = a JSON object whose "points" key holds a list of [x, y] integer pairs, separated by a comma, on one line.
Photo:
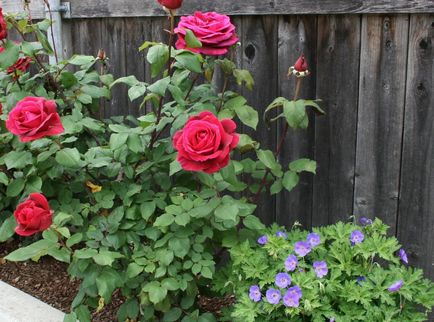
{"points": [[34, 118], [171, 4], [301, 64], [3, 26], [33, 215], [101, 54]]}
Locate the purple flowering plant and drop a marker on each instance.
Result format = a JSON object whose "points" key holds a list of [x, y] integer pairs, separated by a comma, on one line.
{"points": [[341, 272]]}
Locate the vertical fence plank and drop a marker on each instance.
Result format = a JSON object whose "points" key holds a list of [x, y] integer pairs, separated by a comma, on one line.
{"points": [[297, 35], [380, 116], [114, 36], [416, 218], [137, 31], [259, 45], [338, 56]]}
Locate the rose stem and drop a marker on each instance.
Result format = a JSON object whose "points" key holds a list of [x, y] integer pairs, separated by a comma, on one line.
{"points": [[280, 145]]}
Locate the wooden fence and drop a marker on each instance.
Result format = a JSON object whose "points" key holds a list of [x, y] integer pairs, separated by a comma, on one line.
{"points": [[373, 66]]}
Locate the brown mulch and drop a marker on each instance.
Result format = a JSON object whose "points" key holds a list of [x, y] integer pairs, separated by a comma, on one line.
{"points": [[49, 281]]}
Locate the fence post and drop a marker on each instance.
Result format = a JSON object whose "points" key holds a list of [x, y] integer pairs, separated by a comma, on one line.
{"points": [[54, 11]]}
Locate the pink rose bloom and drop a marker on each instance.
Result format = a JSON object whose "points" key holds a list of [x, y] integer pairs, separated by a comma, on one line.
{"points": [[3, 26], [215, 32], [171, 4], [33, 215], [34, 118], [205, 143]]}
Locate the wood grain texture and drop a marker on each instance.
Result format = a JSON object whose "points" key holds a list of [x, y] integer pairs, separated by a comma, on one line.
{"points": [[297, 35], [259, 47], [380, 116], [338, 54], [416, 205], [148, 8]]}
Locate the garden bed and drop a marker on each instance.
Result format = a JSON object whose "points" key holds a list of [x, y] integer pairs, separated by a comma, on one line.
{"points": [[48, 281]]}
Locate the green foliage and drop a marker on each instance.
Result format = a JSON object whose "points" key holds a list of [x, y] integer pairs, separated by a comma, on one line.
{"points": [[354, 289]]}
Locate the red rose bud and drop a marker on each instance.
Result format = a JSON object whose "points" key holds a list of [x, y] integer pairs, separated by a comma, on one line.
{"points": [[301, 64], [171, 4], [3, 26], [20, 65], [34, 118], [33, 215]]}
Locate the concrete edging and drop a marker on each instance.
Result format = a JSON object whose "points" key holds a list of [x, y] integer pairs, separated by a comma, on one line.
{"points": [[17, 306]]}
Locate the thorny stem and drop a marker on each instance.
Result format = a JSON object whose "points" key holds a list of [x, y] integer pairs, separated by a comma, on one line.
{"points": [[225, 85], [169, 67], [280, 145]]}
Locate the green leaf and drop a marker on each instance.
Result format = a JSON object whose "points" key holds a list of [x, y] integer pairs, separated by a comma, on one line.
{"points": [[137, 91], [160, 86], [244, 76], [175, 167], [18, 159], [164, 220], [303, 165], [74, 239], [15, 187], [295, 114], [4, 178], [50, 235], [180, 246], [81, 60], [62, 218], [133, 270], [69, 157], [247, 115], [7, 229], [191, 40], [85, 253], [290, 180], [267, 158], [70, 317], [33, 250], [106, 282], [253, 222], [60, 254], [182, 219], [95, 91], [172, 315], [227, 212], [190, 61], [33, 184], [156, 292], [9, 55], [129, 80], [117, 140], [106, 258], [68, 79], [158, 56]]}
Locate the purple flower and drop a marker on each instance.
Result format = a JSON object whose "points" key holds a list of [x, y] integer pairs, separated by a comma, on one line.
{"points": [[291, 263], [302, 248], [321, 269], [282, 234], [263, 240], [273, 296], [295, 291], [356, 237], [395, 287], [403, 256], [360, 280], [291, 301], [365, 221], [255, 293], [332, 320], [313, 239], [283, 280]]}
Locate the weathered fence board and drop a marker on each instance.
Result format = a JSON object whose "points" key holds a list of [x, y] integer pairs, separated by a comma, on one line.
{"points": [[380, 116], [335, 134], [259, 47], [150, 8], [297, 35], [416, 206]]}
